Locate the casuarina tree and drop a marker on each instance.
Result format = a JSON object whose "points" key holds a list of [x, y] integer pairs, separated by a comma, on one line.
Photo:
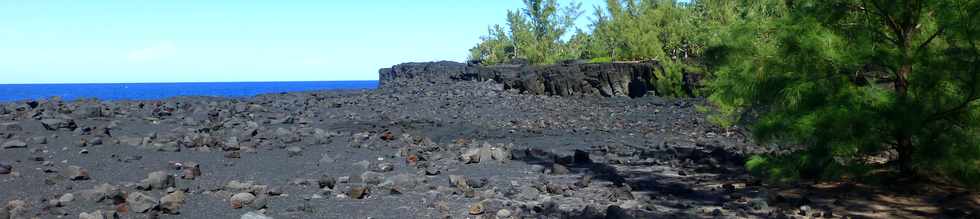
{"points": [[854, 86]]}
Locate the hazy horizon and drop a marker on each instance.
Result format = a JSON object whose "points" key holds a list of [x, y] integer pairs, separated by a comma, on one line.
{"points": [[229, 41]]}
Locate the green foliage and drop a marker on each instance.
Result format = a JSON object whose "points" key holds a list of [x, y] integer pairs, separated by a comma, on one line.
{"points": [[601, 60], [839, 83], [684, 37], [673, 33], [648, 30], [670, 82], [497, 47], [533, 33], [645, 30], [850, 79]]}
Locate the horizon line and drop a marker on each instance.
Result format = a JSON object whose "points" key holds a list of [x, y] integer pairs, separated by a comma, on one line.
{"points": [[177, 82]]}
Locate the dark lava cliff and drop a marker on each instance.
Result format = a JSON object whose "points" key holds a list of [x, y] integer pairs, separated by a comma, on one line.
{"points": [[568, 79]]}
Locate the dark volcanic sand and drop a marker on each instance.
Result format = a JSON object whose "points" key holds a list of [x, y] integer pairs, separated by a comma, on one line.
{"points": [[531, 156]]}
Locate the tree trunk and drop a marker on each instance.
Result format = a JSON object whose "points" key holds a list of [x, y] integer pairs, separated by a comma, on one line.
{"points": [[902, 137], [902, 81], [904, 154]]}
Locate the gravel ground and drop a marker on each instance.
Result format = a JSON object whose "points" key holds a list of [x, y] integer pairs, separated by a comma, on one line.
{"points": [[411, 150]]}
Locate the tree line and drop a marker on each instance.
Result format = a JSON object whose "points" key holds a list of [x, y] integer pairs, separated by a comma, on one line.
{"points": [[849, 89]]}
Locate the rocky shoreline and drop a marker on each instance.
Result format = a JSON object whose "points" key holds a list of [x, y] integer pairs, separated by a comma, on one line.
{"points": [[435, 141]]}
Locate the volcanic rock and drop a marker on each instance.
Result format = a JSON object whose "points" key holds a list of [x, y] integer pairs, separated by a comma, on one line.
{"points": [[167, 147], [294, 151], [477, 182], [260, 201], [504, 213], [528, 193], [558, 169], [622, 193], [362, 164], [157, 180], [5, 168], [372, 178], [190, 170], [476, 208], [614, 211], [99, 214], [574, 79], [485, 154], [95, 141], [76, 173], [325, 159], [59, 124], [65, 199], [500, 154], [16, 209], [254, 215], [386, 167], [584, 181], [14, 144], [241, 199], [39, 140], [582, 157], [403, 181], [327, 182], [432, 171], [459, 182], [358, 192], [11, 127], [140, 203], [172, 202], [471, 156], [102, 192]]}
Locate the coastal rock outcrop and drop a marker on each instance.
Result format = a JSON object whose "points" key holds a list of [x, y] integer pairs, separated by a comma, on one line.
{"points": [[442, 71], [567, 79]]}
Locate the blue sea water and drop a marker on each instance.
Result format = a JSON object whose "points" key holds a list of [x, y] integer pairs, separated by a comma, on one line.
{"points": [[145, 91]]}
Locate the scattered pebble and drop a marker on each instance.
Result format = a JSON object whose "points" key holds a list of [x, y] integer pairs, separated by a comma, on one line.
{"points": [[294, 151], [5, 168], [76, 173]]}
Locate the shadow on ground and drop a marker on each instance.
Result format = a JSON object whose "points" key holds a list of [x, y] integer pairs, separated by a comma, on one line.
{"points": [[711, 183]]}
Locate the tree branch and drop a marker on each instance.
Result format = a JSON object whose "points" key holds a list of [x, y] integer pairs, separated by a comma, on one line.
{"points": [[891, 23], [869, 13], [926, 43], [974, 96]]}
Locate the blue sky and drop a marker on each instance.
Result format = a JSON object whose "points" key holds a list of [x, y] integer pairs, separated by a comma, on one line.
{"points": [[65, 41]]}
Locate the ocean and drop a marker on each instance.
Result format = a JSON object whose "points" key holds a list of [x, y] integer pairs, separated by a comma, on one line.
{"points": [[145, 91]]}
